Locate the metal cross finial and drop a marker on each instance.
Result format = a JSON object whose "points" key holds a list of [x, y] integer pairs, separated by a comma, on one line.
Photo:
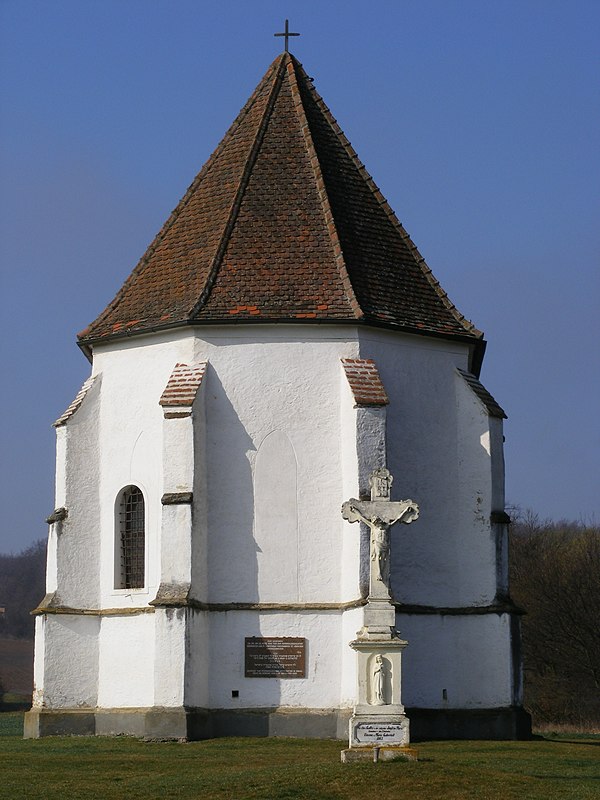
{"points": [[287, 35]]}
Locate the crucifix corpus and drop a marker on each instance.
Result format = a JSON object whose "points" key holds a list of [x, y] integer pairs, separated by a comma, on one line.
{"points": [[379, 727], [379, 514]]}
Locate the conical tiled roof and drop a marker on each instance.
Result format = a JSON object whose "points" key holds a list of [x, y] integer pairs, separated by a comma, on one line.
{"points": [[283, 223]]}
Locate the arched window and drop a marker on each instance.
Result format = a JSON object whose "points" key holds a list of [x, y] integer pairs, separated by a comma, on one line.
{"points": [[130, 572]]}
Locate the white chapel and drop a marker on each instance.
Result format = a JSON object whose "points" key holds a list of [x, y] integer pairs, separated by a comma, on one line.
{"points": [[280, 342]]}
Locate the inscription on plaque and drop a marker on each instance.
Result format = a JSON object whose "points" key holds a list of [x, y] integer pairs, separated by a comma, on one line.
{"points": [[273, 657], [371, 732]]}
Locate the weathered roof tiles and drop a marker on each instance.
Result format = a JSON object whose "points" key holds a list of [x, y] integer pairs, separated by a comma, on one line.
{"points": [[183, 384], [75, 404], [365, 382], [283, 223]]}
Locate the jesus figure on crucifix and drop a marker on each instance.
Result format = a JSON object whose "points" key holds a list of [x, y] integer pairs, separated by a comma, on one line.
{"points": [[379, 513], [380, 550]]}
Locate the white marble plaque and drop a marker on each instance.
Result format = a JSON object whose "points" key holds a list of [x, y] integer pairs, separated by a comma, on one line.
{"points": [[374, 732]]}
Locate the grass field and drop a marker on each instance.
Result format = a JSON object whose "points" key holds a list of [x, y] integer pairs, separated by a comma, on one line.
{"points": [[291, 769]]}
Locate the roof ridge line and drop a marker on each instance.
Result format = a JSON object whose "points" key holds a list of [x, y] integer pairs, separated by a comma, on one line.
{"points": [[181, 205], [338, 253], [241, 190], [388, 210]]}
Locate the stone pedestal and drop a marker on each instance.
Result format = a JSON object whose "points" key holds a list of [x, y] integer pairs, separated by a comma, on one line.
{"points": [[378, 728], [376, 753]]}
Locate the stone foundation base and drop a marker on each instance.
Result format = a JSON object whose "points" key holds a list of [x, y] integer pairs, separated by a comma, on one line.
{"points": [[192, 724], [187, 724], [375, 754], [489, 723]]}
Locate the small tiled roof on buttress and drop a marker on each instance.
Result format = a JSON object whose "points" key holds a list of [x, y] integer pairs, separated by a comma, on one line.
{"points": [[282, 224]]}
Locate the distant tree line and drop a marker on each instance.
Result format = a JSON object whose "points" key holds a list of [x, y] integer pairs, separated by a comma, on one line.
{"points": [[555, 579], [22, 584]]}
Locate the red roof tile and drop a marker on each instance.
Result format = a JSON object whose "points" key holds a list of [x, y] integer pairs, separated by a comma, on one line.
{"points": [[283, 223], [365, 383], [183, 384], [76, 403]]}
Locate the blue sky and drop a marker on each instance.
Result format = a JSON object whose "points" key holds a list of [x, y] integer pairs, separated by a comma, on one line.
{"points": [[479, 121]]}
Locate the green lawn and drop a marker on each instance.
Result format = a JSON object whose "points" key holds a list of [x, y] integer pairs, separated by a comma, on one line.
{"points": [[291, 769]]}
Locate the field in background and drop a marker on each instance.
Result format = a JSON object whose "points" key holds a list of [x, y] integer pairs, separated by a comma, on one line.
{"points": [[16, 666], [553, 768]]}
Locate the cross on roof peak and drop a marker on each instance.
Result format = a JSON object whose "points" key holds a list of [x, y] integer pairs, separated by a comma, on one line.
{"points": [[287, 35]]}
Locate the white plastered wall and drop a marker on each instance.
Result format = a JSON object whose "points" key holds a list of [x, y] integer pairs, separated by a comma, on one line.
{"points": [[283, 387], [134, 375], [66, 661], [176, 523], [435, 426], [351, 535], [477, 562], [126, 661], [74, 543], [66, 647], [197, 668], [468, 656], [274, 449], [445, 452], [199, 543], [170, 632], [287, 382], [320, 688]]}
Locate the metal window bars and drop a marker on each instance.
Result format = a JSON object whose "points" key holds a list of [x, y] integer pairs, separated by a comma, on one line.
{"points": [[133, 544]]}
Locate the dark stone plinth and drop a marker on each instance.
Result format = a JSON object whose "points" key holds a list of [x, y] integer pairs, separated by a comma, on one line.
{"points": [[59, 723], [187, 724], [198, 723], [305, 723], [488, 723]]}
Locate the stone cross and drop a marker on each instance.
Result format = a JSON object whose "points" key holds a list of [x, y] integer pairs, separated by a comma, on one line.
{"points": [[379, 514]]}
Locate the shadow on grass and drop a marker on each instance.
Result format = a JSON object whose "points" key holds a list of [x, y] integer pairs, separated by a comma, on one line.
{"points": [[16, 706], [564, 777], [589, 739]]}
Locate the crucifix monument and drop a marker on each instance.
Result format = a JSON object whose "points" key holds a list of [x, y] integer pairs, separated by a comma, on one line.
{"points": [[379, 727]]}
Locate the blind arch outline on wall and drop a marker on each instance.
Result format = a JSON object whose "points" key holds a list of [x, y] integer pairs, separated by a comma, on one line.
{"points": [[276, 524]]}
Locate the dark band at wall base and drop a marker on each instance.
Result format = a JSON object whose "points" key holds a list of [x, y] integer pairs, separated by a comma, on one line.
{"points": [[187, 724], [193, 724], [467, 723]]}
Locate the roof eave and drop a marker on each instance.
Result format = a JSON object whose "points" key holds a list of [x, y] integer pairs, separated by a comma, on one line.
{"points": [[476, 345]]}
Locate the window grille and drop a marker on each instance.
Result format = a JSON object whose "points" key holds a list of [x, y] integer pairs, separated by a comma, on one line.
{"points": [[132, 539]]}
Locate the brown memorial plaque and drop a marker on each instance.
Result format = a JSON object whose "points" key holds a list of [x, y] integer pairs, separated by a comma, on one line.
{"points": [[274, 657]]}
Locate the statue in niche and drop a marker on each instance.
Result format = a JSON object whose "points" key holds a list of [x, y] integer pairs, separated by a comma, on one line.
{"points": [[379, 681]]}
